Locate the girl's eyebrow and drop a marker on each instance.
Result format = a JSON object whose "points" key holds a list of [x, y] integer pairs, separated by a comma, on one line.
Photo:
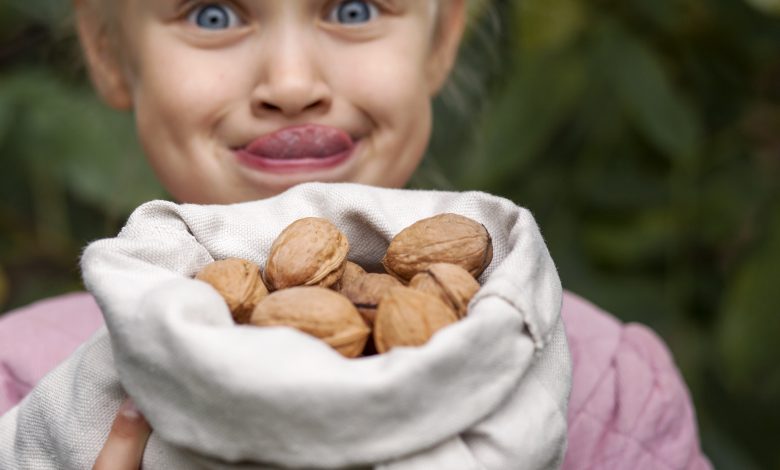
{"points": [[394, 5]]}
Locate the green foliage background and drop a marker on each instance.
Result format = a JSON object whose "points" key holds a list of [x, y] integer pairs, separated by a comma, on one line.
{"points": [[643, 134]]}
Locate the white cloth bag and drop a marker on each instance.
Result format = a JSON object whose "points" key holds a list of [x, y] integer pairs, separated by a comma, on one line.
{"points": [[489, 392]]}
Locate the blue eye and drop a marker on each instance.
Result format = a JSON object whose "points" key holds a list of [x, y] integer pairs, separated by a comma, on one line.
{"points": [[214, 16], [354, 12]]}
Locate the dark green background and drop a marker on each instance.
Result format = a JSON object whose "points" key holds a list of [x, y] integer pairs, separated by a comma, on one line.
{"points": [[643, 134]]}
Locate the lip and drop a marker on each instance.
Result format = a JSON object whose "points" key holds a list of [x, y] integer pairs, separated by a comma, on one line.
{"points": [[302, 148]]}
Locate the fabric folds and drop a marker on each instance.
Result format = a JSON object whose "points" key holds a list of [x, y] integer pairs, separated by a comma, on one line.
{"points": [[489, 392]]}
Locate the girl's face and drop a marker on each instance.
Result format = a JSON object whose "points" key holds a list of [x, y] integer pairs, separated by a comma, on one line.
{"points": [[240, 100]]}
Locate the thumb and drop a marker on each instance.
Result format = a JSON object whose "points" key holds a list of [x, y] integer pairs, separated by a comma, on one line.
{"points": [[124, 447]]}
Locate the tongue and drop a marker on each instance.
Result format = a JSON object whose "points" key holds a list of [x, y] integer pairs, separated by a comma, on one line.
{"points": [[308, 141]]}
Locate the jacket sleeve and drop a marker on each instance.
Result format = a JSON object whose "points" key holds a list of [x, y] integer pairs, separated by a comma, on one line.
{"points": [[36, 338], [629, 406]]}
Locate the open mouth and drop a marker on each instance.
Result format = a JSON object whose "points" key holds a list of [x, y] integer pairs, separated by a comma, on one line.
{"points": [[298, 148]]}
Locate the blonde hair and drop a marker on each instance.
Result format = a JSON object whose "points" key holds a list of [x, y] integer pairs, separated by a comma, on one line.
{"points": [[465, 84]]}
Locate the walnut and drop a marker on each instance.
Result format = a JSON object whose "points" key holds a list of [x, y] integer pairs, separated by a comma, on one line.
{"points": [[365, 290], [352, 271], [407, 317], [239, 282], [317, 311], [444, 238], [309, 252], [451, 283]]}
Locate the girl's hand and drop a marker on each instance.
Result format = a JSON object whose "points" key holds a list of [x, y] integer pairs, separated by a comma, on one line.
{"points": [[124, 448]]}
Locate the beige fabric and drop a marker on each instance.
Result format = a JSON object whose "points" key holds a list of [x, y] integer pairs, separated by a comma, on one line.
{"points": [[489, 392]]}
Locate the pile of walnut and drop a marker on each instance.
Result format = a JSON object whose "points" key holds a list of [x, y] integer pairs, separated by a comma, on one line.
{"points": [[432, 264]]}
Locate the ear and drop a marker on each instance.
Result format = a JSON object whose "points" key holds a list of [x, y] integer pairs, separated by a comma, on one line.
{"points": [[105, 68], [447, 37]]}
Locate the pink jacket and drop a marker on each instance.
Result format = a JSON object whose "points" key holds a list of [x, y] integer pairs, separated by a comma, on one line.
{"points": [[629, 407]]}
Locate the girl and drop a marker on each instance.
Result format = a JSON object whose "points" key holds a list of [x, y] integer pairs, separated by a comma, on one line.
{"points": [[240, 100]]}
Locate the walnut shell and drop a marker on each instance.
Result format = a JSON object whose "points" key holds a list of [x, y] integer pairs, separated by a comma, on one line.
{"points": [[309, 252], [444, 238], [407, 317], [239, 282], [366, 290], [317, 311], [451, 283], [352, 271]]}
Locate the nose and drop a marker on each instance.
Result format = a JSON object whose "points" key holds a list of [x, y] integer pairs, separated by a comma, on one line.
{"points": [[292, 81]]}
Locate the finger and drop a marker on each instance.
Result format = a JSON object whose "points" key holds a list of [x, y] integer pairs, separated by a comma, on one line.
{"points": [[124, 447]]}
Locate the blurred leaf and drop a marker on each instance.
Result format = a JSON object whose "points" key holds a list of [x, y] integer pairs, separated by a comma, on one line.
{"points": [[725, 450], [663, 14], [640, 240], [52, 13], [750, 321], [3, 287], [612, 186], [519, 123], [10, 19], [636, 297], [549, 24], [642, 85], [6, 114], [88, 149], [767, 6]]}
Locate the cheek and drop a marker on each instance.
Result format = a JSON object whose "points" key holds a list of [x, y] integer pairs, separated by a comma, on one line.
{"points": [[178, 91], [389, 85], [389, 99], [392, 94], [399, 103]]}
